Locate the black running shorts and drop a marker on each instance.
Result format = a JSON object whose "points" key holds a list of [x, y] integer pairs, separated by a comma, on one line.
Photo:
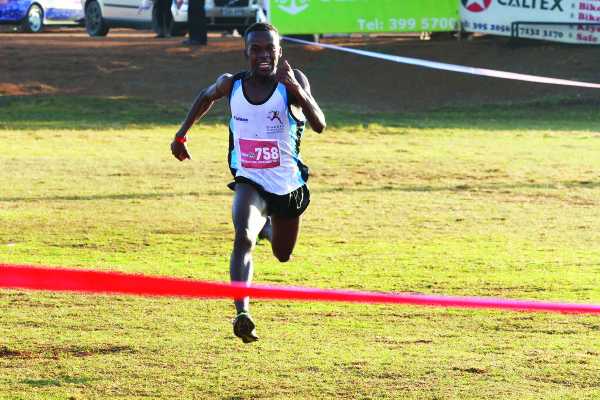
{"points": [[289, 205]]}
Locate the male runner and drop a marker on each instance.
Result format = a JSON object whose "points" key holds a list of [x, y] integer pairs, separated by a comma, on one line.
{"points": [[269, 105]]}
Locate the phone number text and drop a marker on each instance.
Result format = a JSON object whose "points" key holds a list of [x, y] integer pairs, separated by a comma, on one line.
{"points": [[407, 24]]}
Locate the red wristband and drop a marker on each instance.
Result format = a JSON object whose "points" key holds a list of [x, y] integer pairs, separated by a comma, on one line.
{"points": [[181, 139]]}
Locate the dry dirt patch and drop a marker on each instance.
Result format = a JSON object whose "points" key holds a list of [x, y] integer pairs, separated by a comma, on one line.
{"points": [[133, 63]]}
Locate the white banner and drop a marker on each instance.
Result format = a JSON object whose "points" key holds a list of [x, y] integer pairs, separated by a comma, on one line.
{"points": [[523, 18]]}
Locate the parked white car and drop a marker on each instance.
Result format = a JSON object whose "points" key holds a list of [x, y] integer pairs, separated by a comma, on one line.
{"points": [[101, 15]]}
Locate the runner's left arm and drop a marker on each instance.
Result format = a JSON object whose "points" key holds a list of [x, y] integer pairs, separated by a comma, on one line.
{"points": [[297, 84], [203, 102]]}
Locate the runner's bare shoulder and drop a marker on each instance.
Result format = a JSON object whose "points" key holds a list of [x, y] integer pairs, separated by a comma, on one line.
{"points": [[302, 79], [223, 85]]}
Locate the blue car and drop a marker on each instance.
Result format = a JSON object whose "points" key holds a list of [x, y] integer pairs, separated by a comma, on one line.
{"points": [[32, 15]]}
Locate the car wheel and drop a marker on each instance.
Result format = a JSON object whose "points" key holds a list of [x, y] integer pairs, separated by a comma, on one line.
{"points": [[94, 21], [34, 21]]}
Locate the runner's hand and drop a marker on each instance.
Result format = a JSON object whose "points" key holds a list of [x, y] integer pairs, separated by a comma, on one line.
{"points": [[285, 75], [180, 151]]}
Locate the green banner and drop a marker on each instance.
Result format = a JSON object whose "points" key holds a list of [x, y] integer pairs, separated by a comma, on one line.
{"points": [[363, 16]]}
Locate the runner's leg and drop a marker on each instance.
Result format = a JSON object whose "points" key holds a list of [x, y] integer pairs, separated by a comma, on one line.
{"points": [[285, 232], [266, 232], [249, 216]]}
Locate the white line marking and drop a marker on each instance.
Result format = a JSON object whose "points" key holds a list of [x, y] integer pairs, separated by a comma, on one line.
{"points": [[453, 67]]}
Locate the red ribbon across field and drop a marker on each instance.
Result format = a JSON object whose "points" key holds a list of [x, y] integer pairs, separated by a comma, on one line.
{"points": [[88, 281]]}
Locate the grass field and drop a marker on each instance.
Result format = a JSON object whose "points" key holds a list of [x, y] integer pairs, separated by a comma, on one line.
{"points": [[491, 200]]}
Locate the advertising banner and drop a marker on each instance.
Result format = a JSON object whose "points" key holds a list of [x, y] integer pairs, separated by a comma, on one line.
{"points": [[523, 18], [363, 16]]}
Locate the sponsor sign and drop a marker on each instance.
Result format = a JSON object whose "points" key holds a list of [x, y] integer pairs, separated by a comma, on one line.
{"points": [[363, 16], [569, 21]]}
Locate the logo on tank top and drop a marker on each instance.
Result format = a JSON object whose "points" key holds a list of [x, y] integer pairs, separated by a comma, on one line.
{"points": [[276, 122], [242, 119], [274, 115]]}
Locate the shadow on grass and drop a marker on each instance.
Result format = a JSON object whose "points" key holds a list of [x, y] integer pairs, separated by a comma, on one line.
{"points": [[55, 352], [464, 187], [79, 112], [120, 196], [101, 113], [555, 114], [73, 351], [59, 381], [333, 189], [39, 383]]}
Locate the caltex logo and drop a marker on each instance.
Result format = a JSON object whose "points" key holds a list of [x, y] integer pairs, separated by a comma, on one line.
{"points": [[476, 5], [292, 7]]}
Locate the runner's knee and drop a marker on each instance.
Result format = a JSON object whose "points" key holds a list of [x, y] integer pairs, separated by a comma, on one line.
{"points": [[243, 241], [282, 256]]}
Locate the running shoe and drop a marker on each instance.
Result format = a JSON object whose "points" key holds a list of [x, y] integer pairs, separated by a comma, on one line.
{"points": [[244, 328]]}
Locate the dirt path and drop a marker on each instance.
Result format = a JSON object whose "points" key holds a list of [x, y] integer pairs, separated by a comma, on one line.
{"points": [[133, 63]]}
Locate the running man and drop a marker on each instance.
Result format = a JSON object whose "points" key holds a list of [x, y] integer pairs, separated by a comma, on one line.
{"points": [[269, 106]]}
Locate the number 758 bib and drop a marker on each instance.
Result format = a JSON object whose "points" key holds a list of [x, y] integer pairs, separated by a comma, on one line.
{"points": [[259, 153]]}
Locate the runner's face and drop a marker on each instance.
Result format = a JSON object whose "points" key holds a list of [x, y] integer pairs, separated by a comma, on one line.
{"points": [[263, 52]]}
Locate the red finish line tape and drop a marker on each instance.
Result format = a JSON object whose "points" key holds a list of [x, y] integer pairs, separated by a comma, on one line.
{"points": [[87, 281]]}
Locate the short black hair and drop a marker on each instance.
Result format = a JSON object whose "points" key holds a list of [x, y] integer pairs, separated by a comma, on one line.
{"points": [[260, 27]]}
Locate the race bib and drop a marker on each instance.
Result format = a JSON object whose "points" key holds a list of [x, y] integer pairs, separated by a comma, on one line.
{"points": [[259, 153]]}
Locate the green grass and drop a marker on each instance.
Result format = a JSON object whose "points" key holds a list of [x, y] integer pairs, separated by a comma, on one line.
{"points": [[489, 201]]}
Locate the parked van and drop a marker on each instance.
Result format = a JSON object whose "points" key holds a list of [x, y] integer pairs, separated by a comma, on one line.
{"points": [[101, 15], [32, 15]]}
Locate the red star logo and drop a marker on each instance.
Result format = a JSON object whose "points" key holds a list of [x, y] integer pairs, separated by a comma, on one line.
{"points": [[476, 5]]}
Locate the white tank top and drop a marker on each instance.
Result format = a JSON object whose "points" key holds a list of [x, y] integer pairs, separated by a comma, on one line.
{"points": [[264, 143]]}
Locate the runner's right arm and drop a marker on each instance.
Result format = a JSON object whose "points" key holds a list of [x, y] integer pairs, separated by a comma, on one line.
{"points": [[203, 102]]}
